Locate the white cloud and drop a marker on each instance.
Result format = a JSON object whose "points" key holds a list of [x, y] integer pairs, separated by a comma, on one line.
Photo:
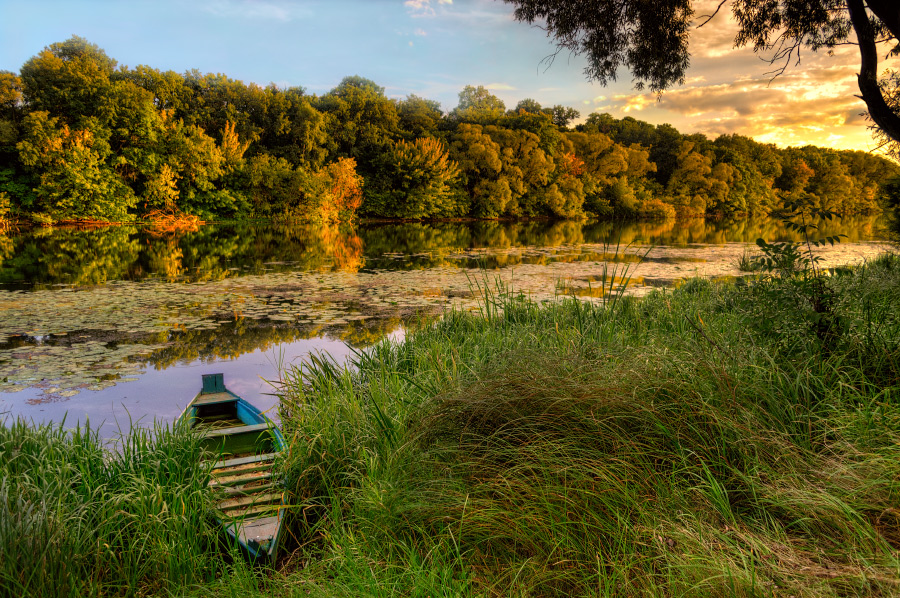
{"points": [[423, 8], [500, 86], [256, 9], [420, 32]]}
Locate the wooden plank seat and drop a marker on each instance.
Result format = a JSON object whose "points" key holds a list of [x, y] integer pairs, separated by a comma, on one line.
{"points": [[252, 500], [251, 504], [232, 491], [216, 433], [244, 461], [213, 397], [241, 478], [242, 513], [219, 473]]}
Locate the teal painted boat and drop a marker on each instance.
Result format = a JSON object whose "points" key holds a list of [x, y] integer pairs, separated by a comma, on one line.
{"points": [[240, 446]]}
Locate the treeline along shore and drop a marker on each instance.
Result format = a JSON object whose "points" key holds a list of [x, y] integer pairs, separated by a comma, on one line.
{"points": [[83, 139]]}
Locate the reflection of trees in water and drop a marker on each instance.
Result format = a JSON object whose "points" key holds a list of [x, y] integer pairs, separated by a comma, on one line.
{"points": [[6, 248], [215, 252], [82, 257], [365, 333], [241, 336], [345, 247], [700, 231], [166, 259]]}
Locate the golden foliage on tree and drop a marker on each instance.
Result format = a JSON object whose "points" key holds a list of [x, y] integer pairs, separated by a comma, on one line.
{"points": [[345, 188], [570, 165], [231, 146], [4, 211], [162, 189], [331, 194]]}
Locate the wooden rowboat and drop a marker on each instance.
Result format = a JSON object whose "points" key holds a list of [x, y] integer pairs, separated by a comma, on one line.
{"points": [[243, 444]]}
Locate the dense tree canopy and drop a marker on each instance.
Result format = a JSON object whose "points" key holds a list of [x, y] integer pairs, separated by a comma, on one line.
{"points": [[651, 39], [84, 139]]}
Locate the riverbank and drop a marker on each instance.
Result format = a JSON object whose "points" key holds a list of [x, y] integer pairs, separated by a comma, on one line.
{"points": [[718, 439]]}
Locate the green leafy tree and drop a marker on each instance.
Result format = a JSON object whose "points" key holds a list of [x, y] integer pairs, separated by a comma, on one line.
{"points": [[294, 129], [198, 163], [478, 105], [15, 182], [562, 115], [270, 183], [362, 123], [69, 80], [419, 117], [538, 123], [217, 100], [693, 184], [169, 89], [75, 181], [527, 170], [889, 196], [869, 173], [830, 188], [529, 106], [756, 166], [416, 180], [10, 112], [479, 159]]}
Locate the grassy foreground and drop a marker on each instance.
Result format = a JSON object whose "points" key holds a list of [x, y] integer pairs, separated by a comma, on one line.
{"points": [[715, 440]]}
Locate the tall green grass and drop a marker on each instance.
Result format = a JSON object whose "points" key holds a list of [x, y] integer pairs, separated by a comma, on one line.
{"points": [[701, 442], [81, 519]]}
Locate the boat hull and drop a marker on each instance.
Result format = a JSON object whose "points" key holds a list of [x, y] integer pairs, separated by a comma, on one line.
{"points": [[240, 446]]}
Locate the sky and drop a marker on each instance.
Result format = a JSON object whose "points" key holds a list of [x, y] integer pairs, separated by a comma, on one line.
{"points": [[433, 48]]}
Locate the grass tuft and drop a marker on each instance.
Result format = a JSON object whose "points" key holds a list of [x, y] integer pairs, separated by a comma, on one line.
{"points": [[77, 519]]}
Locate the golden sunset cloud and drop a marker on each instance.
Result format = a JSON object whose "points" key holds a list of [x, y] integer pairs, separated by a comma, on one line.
{"points": [[734, 90]]}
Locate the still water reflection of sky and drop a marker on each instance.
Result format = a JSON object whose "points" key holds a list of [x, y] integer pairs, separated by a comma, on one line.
{"points": [[163, 394]]}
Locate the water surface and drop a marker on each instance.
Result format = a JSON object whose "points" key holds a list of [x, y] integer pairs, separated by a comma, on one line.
{"points": [[117, 324]]}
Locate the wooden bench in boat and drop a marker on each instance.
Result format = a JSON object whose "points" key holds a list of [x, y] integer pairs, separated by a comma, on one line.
{"points": [[244, 460], [216, 432]]}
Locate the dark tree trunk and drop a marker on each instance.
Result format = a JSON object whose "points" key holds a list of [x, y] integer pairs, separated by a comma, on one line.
{"points": [[886, 10]]}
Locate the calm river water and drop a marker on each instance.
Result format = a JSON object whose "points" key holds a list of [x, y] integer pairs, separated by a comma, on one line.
{"points": [[116, 324]]}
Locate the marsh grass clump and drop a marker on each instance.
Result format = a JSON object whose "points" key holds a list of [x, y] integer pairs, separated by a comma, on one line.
{"points": [[748, 261], [78, 518], [672, 445]]}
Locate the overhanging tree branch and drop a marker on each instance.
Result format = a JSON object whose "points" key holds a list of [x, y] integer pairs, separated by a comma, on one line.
{"points": [[886, 119]]}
